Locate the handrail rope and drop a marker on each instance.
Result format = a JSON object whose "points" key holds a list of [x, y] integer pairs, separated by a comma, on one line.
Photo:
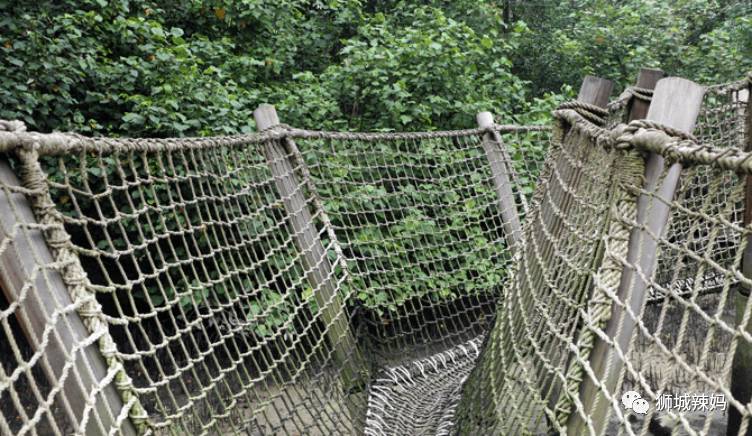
{"points": [[590, 112], [57, 143], [649, 136]]}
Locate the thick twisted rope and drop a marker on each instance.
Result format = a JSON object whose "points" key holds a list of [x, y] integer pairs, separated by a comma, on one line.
{"points": [[590, 112], [648, 136], [35, 181], [57, 143]]}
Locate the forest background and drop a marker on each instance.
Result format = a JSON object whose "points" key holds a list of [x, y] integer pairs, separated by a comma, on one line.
{"points": [[200, 67]]}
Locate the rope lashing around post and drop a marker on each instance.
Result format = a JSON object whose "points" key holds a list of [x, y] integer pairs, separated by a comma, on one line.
{"points": [[672, 144], [590, 112], [627, 95], [643, 94]]}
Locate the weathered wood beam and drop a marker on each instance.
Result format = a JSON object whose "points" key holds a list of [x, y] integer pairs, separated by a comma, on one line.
{"points": [[676, 103], [313, 255], [40, 293], [498, 160]]}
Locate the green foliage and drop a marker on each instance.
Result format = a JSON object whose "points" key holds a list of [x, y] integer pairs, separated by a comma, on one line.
{"points": [[143, 68], [417, 218], [706, 41], [436, 72]]}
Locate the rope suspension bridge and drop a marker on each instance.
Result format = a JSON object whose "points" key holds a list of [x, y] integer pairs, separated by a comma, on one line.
{"points": [[504, 279]]}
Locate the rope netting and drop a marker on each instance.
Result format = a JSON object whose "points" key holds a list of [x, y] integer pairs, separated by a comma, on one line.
{"points": [[516, 385], [204, 284], [541, 369], [217, 284], [306, 282], [421, 227]]}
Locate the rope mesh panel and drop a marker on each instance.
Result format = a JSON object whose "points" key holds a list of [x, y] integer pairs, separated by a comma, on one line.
{"points": [[721, 124], [683, 343], [564, 286], [192, 256], [525, 360], [420, 226]]}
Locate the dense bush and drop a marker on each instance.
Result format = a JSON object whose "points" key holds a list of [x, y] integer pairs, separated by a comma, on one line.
{"points": [[142, 68], [706, 41]]}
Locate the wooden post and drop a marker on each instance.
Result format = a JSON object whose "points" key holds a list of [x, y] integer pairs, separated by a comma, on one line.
{"points": [[23, 271], [498, 161], [741, 369], [647, 78], [595, 91], [676, 103], [313, 254]]}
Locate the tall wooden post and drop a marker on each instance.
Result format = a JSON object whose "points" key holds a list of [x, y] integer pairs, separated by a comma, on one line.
{"points": [[676, 103], [595, 91], [741, 370], [498, 161], [41, 295], [647, 78], [313, 254]]}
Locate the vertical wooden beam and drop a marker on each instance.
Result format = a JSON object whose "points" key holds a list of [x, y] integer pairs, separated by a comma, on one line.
{"points": [[498, 161], [313, 254], [595, 90], [741, 369], [647, 78], [676, 103], [39, 292]]}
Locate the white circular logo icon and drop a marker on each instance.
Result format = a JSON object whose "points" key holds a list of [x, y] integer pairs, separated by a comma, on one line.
{"points": [[640, 406], [628, 399]]}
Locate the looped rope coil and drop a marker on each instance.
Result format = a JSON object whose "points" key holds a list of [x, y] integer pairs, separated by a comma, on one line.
{"points": [[591, 112]]}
